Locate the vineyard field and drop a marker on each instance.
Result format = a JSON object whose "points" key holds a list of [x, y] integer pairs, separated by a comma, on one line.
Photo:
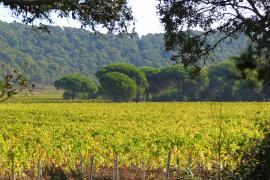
{"points": [[141, 134]]}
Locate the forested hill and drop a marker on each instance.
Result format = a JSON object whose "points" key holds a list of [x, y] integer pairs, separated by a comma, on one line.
{"points": [[69, 50]]}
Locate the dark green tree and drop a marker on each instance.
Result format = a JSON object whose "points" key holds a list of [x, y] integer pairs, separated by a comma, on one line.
{"points": [[74, 84], [133, 72], [118, 86], [230, 18], [150, 72], [249, 89], [179, 84], [222, 78], [226, 83], [193, 86], [114, 15], [172, 76], [252, 86], [255, 71]]}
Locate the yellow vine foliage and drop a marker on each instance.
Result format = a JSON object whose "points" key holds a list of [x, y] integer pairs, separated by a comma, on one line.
{"points": [[60, 133]]}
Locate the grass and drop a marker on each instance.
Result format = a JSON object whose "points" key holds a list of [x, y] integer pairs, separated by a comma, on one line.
{"points": [[38, 96]]}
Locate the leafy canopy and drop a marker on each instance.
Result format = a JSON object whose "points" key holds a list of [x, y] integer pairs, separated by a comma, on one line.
{"points": [[76, 83], [53, 55], [114, 15], [229, 17], [178, 79], [133, 72], [118, 86]]}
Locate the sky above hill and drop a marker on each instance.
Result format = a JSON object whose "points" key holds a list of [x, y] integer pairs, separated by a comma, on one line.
{"points": [[144, 11]]}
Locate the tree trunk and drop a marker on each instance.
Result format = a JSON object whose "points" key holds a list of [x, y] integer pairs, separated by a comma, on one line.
{"points": [[73, 94], [137, 97], [180, 90], [147, 96]]}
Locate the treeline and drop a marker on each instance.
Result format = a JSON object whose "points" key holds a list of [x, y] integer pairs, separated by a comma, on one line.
{"points": [[125, 82], [68, 50]]}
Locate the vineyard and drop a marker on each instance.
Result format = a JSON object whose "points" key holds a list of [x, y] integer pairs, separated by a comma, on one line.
{"points": [[183, 136]]}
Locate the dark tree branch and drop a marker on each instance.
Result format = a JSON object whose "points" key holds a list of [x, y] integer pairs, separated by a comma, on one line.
{"points": [[114, 15], [179, 17]]}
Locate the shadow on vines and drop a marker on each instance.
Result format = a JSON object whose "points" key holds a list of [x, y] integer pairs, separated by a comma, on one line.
{"points": [[255, 161]]}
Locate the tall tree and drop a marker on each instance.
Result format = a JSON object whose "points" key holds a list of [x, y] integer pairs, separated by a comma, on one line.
{"points": [[149, 72], [133, 72], [118, 86], [222, 79], [255, 72], [180, 82], [229, 17], [172, 76], [75, 83], [114, 15]]}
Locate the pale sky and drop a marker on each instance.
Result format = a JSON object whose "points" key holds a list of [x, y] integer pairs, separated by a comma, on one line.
{"points": [[144, 11]]}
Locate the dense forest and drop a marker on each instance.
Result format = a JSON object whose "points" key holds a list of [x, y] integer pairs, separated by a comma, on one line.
{"points": [[120, 82], [68, 50]]}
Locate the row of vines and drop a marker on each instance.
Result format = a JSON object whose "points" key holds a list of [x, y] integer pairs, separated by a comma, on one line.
{"points": [[140, 134]]}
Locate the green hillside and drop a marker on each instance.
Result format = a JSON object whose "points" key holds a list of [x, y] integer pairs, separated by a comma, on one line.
{"points": [[70, 50]]}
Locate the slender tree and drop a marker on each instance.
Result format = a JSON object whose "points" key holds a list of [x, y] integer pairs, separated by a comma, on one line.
{"points": [[12, 82], [149, 72]]}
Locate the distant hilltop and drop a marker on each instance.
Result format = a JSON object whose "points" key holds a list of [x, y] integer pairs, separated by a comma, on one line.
{"points": [[70, 50]]}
